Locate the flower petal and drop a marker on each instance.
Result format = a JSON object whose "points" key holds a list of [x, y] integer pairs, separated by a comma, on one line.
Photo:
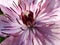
{"points": [[47, 6], [23, 39], [10, 41], [44, 32], [50, 17], [8, 11], [25, 4], [7, 26]]}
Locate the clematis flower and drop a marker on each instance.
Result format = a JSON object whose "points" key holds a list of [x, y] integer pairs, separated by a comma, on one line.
{"points": [[31, 22]]}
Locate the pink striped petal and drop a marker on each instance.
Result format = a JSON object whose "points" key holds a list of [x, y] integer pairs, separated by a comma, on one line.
{"points": [[46, 32], [25, 4], [9, 12], [47, 6], [53, 16], [7, 41], [23, 39], [10, 41], [7, 26]]}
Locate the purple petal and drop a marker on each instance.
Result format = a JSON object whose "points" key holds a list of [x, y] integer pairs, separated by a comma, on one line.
{"points": [[53, 16], [48, 6], [44, 32], [8, 27], [8, 12], [25, 4], [11, 41]]}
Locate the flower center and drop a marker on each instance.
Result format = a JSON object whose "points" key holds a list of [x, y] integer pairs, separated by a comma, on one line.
{"points": [[27, 18]]}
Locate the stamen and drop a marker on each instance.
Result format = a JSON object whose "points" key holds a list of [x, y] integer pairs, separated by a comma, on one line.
{"points": [[27, 18], [18, 21]]}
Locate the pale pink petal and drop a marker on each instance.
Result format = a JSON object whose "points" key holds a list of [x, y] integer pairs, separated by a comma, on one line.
{"points": [[25, 4], [7, 41], [15, 8], [10, 41], [9, 12], [23, 39], [47, 6], [44, 32], [50, 11], [7, 26], [50, 17]]}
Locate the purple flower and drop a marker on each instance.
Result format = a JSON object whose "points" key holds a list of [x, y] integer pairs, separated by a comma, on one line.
{"points": [[31, 22]]}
